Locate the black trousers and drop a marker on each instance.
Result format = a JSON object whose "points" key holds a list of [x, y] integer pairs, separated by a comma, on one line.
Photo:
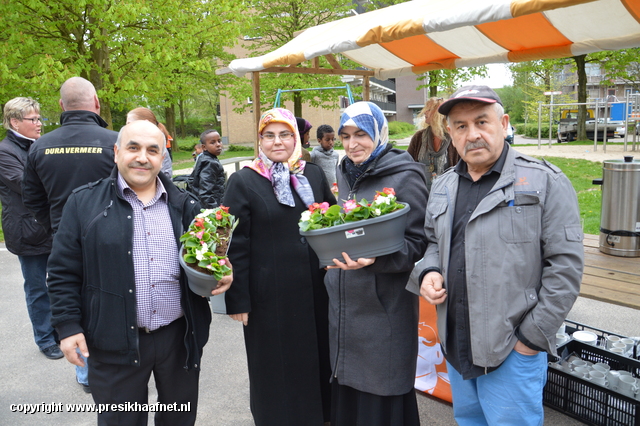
{"points": [[162, 353]]}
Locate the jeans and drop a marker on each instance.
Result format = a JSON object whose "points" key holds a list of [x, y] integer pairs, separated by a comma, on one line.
{"points": [[82, 373], [34, 272], [510, 395]]}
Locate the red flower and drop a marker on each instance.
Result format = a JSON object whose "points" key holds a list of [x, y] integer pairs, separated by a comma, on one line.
{"points": [[199, 223], [389, 191], [313, 207], [219, 215], [224, 208]]}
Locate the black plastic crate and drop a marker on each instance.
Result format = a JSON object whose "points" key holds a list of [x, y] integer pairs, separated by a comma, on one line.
{"points": [[587, 401], [572, 326]]}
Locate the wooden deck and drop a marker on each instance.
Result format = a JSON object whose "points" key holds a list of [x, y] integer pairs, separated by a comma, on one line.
{"points": [[611, 279]]}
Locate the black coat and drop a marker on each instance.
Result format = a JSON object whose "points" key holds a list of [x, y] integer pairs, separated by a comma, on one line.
{"points": [[92, 280], [22, 234], [79, 152], [277, 279], [207, 180]]}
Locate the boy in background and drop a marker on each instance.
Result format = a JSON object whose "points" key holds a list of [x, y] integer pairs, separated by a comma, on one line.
{"points": [[324, 155], [208, 177]]}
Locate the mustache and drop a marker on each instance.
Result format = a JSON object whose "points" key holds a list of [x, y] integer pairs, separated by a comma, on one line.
{"points": [[136, 165], [475, 145]]}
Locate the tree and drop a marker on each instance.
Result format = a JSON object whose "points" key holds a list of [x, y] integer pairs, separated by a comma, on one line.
{"points": [[513, 102], [449, 80], [274, 24], [621, 65], [134, 52], [532, 79]]}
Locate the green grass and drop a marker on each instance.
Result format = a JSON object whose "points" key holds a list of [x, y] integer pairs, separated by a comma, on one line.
{"points": [[581, 173]]}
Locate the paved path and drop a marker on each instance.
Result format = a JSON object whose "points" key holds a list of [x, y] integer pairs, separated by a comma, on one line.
{"points": [[27, 377]]}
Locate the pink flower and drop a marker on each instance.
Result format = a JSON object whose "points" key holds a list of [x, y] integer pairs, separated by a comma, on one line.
{"points": [[222, 262], [324, 207], [349, 205], [199, 235]]}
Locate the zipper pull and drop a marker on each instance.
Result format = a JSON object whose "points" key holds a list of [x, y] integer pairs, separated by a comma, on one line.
{"points": [[107, 208]]}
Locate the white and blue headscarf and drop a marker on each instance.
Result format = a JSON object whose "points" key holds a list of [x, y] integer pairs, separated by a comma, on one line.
{"points": [[368, 117]]}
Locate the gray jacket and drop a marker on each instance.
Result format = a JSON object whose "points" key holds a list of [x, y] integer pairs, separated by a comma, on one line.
{"points": [[328, 160], [373, 320], [524, 256]]}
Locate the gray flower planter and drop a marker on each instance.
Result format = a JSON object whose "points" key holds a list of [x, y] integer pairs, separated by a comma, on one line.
{"points": [[203, 284], [365, 238]]}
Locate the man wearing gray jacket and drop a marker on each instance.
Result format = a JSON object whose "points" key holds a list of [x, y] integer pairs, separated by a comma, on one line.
{"points": [[503, 265]]}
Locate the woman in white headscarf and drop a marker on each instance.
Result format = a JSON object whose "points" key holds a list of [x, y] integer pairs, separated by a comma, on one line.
{"points": [[277, 289], [373, 320]]}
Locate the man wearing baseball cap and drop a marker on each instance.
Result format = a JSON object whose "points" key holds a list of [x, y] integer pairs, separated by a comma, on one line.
{"points": [[503, 265]]}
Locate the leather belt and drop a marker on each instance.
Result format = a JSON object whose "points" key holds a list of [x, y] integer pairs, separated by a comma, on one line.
{"points": [[146, 330]]}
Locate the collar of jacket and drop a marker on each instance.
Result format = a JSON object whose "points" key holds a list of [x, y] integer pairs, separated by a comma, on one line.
{"points": [[23, 143], [321, 150], [175, 196], [81, 117]]}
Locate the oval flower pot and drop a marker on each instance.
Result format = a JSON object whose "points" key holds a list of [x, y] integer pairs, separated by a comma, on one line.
{"points": [[365, 238], [203, 284]]}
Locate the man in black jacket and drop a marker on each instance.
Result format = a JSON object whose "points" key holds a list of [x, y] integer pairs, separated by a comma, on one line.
{"points": [[79, 152], [117, 291]]}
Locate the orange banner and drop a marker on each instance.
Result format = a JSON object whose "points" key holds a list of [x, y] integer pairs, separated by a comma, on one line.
{"points": [[431, 370]]}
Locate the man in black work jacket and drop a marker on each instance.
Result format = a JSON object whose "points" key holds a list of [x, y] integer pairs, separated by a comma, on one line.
{"points": [[79, 152]]}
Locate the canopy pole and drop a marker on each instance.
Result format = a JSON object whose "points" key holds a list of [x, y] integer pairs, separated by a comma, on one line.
{"points": [[255, 82], [365, 88]]}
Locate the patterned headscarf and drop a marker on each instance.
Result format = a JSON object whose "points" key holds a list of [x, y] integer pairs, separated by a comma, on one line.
{"points": [[283, 176], [367, 116]]}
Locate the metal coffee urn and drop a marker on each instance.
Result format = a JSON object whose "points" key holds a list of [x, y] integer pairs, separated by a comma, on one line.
{"points": [[620, 214]]}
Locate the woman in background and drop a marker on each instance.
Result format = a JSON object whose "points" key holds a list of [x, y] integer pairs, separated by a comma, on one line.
{"points": [[304, 130], [431, 145], [24, 236]]}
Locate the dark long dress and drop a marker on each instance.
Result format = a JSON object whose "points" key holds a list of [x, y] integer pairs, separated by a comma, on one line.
{"points": [[277, 279]]}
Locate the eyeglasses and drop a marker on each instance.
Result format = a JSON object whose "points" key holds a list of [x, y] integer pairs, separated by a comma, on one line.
{"points": [[33, 120], [284, 136]]}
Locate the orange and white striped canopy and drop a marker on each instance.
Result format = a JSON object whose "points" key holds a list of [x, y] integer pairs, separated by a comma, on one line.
{"points": [[423, 35]]}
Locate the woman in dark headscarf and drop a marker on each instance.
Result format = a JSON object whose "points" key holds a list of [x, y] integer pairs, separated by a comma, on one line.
{"points": [[304, 130], [277, 287], [373, 320]]}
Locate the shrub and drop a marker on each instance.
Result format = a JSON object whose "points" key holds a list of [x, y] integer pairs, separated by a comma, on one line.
{"points": [[232, 148], [400, 127], [531, 131]]}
